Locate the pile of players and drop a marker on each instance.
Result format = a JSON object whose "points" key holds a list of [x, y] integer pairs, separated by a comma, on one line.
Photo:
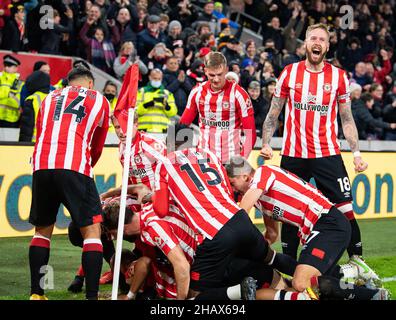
{"points": [[187, 216]]}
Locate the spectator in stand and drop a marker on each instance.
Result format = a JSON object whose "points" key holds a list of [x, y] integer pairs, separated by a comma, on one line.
{"points": [[159, 7], [377, 92], [378, 74], [100, 50], [389, 113], [251, 51], [94, 15], [269, 88], [39, 84], [158, 55], [126, 57], [273, 31], [14, 33], [38, 66], [353, 54], [103, 5], [260, 105], [297, 56], [196, 74], [52, 37], [174, 33], [273, 56], [360, 76], [164, 22], [203, 28], [149, 37], [4, 15], [179, 53], [184, 12], [233, 50], [368, 127], [247, 73], [10, 93], [290, 35], [267, 72], [142, 14], [155, 105], [208, 13], [175, 81], [125, 23]]}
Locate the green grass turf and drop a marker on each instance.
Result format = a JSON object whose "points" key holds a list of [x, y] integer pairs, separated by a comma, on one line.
{"points": [[379, 244]]}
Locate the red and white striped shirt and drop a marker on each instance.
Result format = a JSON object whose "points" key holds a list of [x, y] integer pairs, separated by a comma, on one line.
{"points": [[145, 153], [289, 199], [66, 122], [311, 127], [200, 187], [223, 116], [166, 234]]}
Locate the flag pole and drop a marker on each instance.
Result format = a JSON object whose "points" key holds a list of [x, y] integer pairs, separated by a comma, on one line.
{"points": [[121, 219]]}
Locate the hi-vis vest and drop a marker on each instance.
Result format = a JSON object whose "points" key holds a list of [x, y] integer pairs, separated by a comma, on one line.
{"points": [[155, 118], [37, 98], [112, 106], [10, 95]]}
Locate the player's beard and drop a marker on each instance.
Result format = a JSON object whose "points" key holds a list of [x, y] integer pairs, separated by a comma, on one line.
{"points": [[311, 58]]}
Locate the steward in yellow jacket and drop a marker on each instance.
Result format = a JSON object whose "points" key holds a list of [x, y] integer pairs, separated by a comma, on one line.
{"points": [[155, 105], [10, 93], [38, 83]]}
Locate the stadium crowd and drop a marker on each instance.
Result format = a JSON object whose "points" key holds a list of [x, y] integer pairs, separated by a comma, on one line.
{"points": [[168, 39]]}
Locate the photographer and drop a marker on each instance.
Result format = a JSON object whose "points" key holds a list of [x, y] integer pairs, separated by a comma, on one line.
{"points": [[158, 55], [126, 58]]}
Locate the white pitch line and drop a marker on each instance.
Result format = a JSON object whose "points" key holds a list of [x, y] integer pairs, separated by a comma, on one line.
{"points": [[389, 279]]}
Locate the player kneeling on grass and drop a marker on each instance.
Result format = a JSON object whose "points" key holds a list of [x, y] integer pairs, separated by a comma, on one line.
{"points": [[323, 230], [75, 237]]}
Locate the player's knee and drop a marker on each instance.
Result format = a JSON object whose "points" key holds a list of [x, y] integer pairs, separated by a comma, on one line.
{"points": [[300, 284]]}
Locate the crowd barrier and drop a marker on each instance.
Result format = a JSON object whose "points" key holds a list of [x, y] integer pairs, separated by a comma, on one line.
{"points": [[373, 190]]}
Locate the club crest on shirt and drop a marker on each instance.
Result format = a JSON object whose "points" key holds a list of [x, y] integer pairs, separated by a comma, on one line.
{"points": [[138, 159], [327, 87], [226, 105]]}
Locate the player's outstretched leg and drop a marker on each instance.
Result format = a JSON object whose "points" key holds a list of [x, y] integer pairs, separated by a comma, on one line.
{"points": [[355, 249], [332, 288]]}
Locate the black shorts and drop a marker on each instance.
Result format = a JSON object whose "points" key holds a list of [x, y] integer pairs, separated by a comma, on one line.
{"points": [[240, 268], [330, 175], [77, 192], [327, 242], [240, 238]]}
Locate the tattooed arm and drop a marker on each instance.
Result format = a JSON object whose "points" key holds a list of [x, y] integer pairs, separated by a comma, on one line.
{"points": [[351, 135], [270, 124]]}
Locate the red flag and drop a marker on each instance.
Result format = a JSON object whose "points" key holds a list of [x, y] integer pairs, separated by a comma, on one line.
{"points": [[127, 96]]}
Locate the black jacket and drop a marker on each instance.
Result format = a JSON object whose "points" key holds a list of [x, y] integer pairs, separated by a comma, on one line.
{"points": [[261, 108], [365, 123], [12, 37], [37, 81], [180, 90]]}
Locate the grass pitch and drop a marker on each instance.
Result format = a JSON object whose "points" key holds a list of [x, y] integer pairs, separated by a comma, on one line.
{"points": [[379, 245]]}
